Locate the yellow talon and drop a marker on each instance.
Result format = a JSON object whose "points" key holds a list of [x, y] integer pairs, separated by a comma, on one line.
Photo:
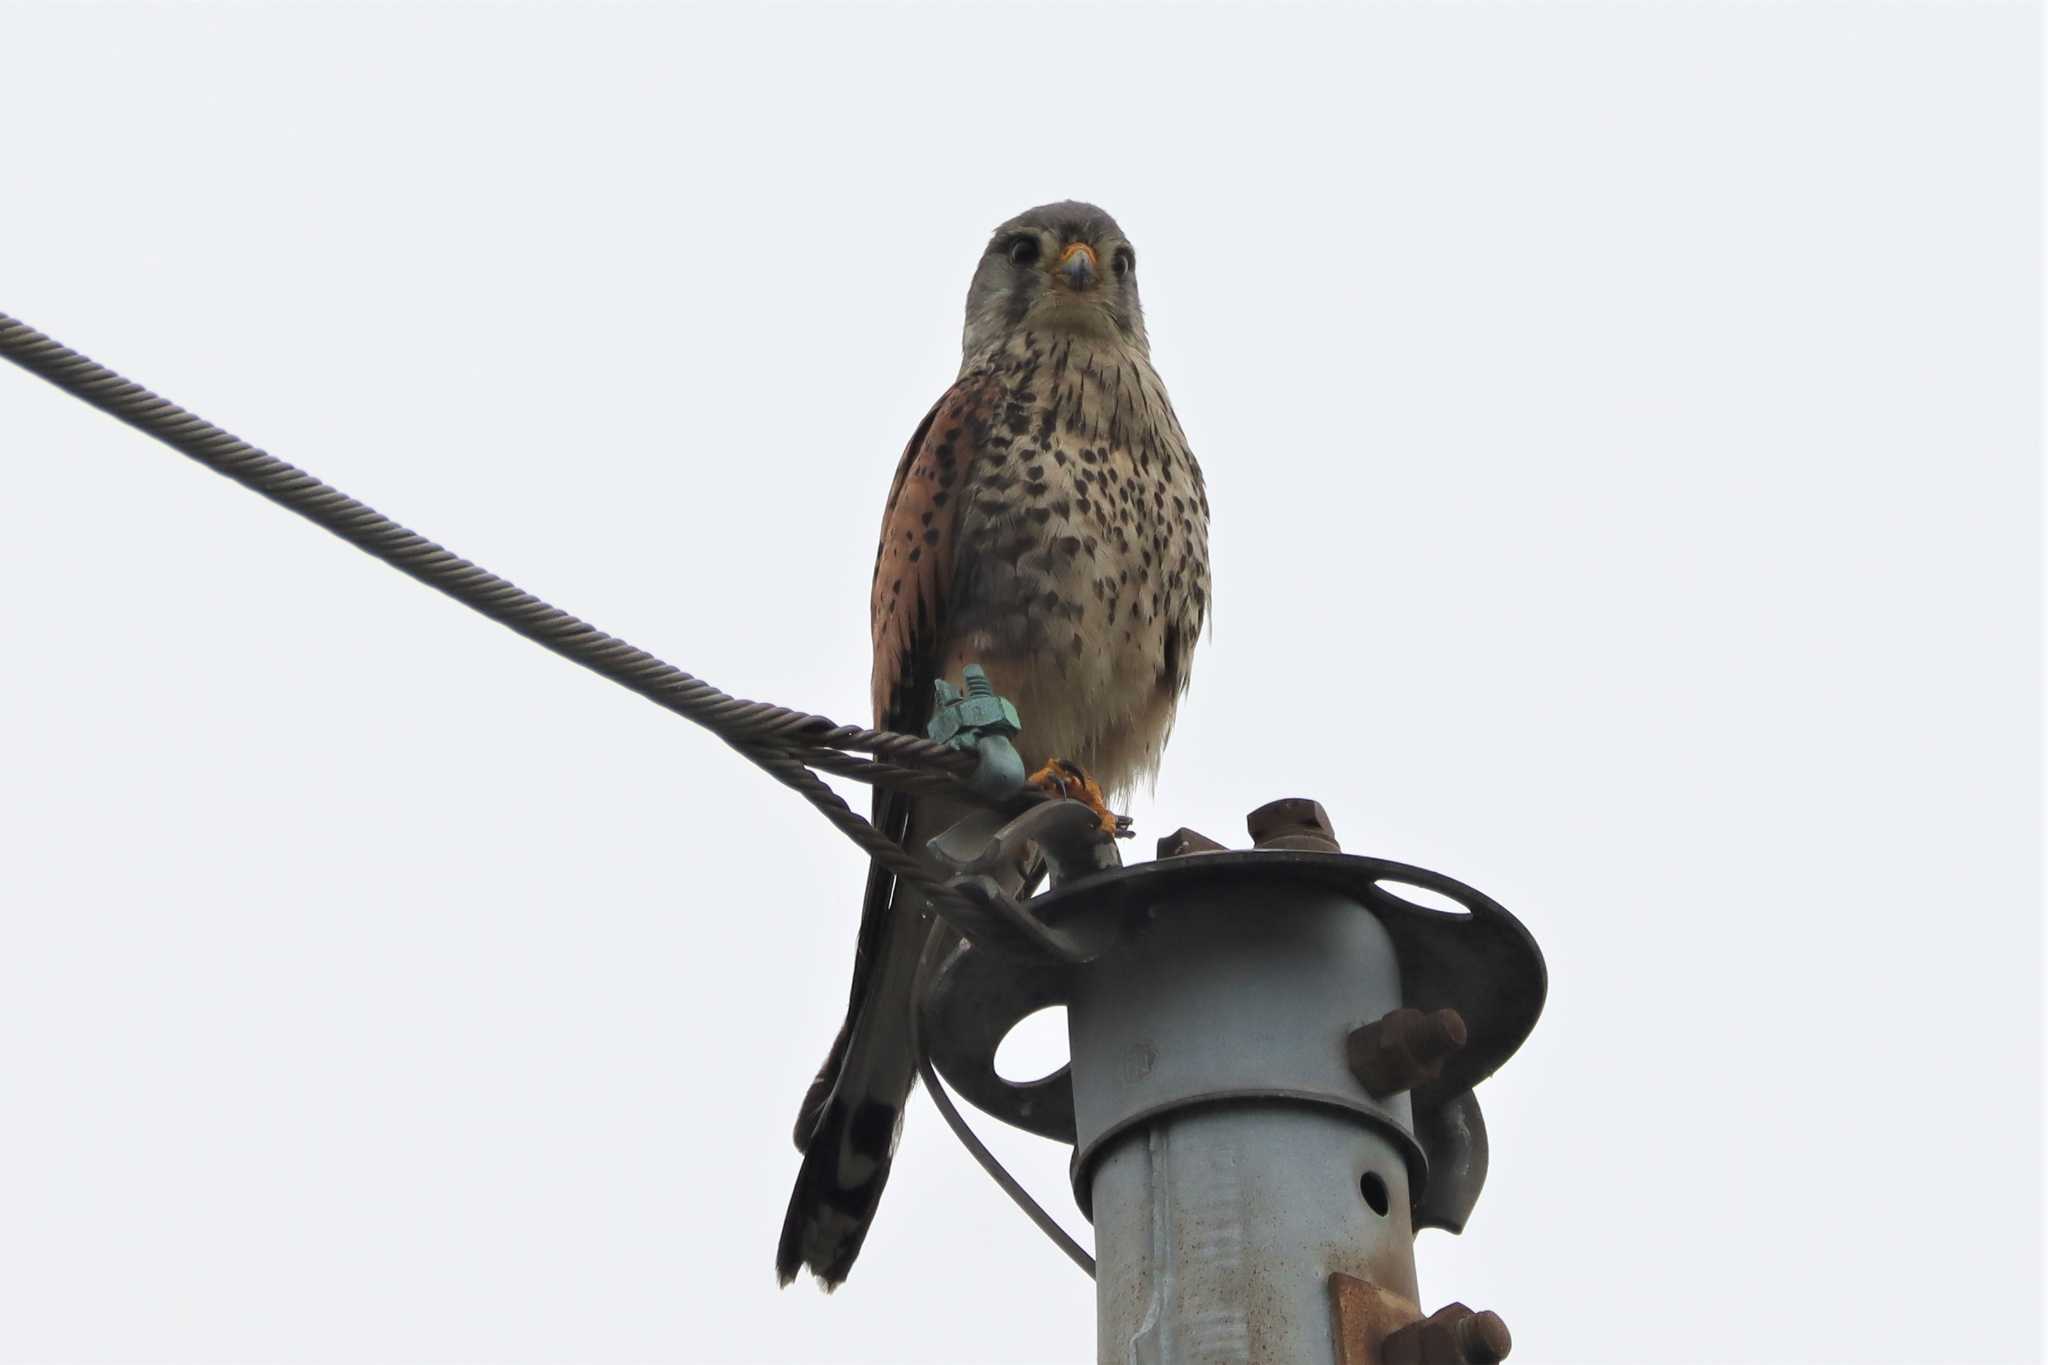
{"points": [[1067, 780]]}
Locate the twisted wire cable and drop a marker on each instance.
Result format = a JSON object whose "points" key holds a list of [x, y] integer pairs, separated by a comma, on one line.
{"points": [[785, 743]]}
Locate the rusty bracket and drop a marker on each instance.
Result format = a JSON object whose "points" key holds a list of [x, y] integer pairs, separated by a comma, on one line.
{"points": [[1364, 1314]]}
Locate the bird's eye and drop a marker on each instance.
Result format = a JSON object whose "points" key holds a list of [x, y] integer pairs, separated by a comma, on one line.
{"points": [[1023, 250], [1124, 262]]}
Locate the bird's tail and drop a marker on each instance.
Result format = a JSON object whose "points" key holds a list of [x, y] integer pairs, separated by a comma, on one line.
{"points": [[853, 1112]]}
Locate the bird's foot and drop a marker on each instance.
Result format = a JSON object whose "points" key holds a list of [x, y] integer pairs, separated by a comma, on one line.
{"points": [[1064, 779]]}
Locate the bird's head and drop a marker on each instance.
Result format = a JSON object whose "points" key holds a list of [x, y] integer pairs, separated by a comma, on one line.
{"points": [[1063, 267]]}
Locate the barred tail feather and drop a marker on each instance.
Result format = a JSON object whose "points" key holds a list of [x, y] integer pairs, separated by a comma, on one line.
{"points": [[850, 1118], [833, 1204]]}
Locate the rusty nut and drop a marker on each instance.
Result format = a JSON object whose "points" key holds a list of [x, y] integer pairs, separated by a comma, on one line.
{"points": [[1184, 841], [1403, 1050], [1453, 1335], [1292, 823]]}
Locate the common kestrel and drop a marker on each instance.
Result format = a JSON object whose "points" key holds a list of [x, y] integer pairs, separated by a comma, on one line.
{"points": [[1048, 522]]}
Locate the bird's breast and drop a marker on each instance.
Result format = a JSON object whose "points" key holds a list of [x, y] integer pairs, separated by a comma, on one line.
{"points": [[1082, 576]]}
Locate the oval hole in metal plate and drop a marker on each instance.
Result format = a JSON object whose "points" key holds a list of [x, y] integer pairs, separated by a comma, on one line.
{"points": [[1035, 1048], [1422, 898]]}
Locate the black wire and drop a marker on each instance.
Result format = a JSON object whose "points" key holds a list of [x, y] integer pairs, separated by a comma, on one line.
{"points": [[920, 982]]}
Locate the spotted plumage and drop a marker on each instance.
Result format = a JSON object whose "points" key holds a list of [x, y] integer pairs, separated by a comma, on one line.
{"points": [[1047, 521]]}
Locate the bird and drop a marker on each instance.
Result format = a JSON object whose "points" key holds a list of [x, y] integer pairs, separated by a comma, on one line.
{"points": [[1047, 521]]}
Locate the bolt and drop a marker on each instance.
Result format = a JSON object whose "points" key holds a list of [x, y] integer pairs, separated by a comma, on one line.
{"points": [[1403, 1050], [977, 681], [1184, 841], [1453, 1335], [1484, 1339], [1294, 822]]}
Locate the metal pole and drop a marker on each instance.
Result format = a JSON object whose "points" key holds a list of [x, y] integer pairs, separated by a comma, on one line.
{"points": [[1260, 1119]]}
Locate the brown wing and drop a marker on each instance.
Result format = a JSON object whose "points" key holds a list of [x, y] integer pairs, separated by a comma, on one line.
{"points": [[914, 562], [913, 571]]}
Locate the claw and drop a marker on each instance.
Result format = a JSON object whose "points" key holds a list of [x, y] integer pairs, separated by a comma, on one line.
{"points": [[1067, 780]]}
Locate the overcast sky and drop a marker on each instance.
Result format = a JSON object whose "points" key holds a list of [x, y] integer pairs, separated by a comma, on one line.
{"points": [[1620, 423]]}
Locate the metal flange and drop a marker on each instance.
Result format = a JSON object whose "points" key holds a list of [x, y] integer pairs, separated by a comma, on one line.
{"points": [[1112, 928]]}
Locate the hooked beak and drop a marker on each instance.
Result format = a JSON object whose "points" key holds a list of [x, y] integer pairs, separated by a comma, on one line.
{"points": [[1078, 264]]}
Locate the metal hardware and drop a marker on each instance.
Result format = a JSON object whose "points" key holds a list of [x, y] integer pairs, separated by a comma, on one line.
{"points": [[1403, 1049], [982, 723], [1184, 841], [1453, 1335], [1258, 1119]]}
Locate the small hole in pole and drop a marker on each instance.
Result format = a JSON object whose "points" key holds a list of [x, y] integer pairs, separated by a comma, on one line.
{"points": [[1375, 1191]]}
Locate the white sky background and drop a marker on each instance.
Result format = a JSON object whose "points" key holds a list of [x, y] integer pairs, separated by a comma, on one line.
{"points": [[1620, 422]]}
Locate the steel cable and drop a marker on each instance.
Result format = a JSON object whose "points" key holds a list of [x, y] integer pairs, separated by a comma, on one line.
{"points": [[784, 742], [787, 744]]}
